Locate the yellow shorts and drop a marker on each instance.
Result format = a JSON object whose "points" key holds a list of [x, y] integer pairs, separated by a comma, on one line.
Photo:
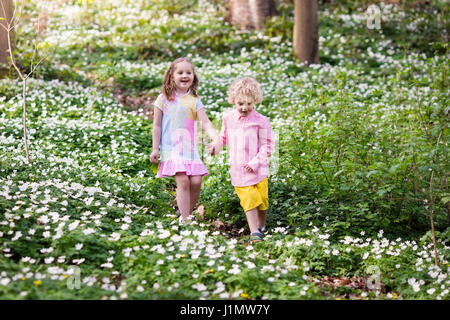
{"points": [[256, 196]]}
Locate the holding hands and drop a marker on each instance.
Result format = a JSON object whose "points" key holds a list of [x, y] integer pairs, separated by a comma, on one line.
{"points": [[213, 148]]}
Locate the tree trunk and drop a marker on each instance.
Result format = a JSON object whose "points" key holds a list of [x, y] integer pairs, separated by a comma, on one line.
{"points": [[250, 14], [8, 9], [306, 31]]}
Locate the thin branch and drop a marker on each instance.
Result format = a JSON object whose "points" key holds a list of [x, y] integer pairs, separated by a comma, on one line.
{"points": [[7, 25], [434, 160], [4, 12], [35, 43], [432, 200], [14, 13], [37, 64], [4, 27], [11, 24], [432, 220], [13, 62]]}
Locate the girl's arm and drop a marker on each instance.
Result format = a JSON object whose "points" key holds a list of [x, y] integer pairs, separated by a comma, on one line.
{"points": [[208, 126], [156, 134]]}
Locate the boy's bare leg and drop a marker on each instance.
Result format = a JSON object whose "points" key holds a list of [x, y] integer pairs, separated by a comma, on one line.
{"points": [[252, 219], [262, 215]]}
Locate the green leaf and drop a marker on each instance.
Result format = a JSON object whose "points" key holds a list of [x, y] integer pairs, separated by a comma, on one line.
{"points": [[371, 173], [154, 167], [445, 200], [43, 45], [394, 168]]}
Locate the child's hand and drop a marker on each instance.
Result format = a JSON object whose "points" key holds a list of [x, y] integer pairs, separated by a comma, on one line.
{"points": [[248, 168], [154, 157], [212, 149]]}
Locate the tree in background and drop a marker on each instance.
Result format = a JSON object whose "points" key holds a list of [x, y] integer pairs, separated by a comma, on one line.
{"points": [[306, 31], [5, 16], [10, 21], [250, 14]]}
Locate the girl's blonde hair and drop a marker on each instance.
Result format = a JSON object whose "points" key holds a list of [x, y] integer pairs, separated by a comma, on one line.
{"points": [[245, 87], [169, 85]]}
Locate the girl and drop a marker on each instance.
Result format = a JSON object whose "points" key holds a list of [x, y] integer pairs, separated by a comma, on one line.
{"points": [[174, 131]]}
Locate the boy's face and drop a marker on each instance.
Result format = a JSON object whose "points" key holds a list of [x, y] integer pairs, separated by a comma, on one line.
{"points": [[183, 76], [244, 105]]}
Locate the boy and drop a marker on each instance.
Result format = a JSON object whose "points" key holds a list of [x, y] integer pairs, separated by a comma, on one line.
{"points": [[250, 142]]}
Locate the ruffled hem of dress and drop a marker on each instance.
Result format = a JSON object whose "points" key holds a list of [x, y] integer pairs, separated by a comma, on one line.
{"points": [[192, 168]]}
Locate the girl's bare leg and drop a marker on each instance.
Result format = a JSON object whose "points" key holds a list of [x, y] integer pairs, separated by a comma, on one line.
{"points": [[183, 194], [195, 186]]}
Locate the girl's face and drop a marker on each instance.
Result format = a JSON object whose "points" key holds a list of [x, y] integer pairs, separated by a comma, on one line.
{"points": [[244, 105], [183, 76]]}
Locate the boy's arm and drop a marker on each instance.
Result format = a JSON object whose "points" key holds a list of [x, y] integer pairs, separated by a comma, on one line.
{"points": [[267, 143]]}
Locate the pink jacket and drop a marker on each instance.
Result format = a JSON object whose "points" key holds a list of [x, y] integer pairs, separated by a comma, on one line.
{"points": [[250, 141]]}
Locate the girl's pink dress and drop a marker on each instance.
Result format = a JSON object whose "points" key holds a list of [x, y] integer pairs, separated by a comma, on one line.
{"points": [[179, 126]]}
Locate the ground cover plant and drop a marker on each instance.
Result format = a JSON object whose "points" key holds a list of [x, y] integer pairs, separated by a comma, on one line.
{"points": [[361, 158]]}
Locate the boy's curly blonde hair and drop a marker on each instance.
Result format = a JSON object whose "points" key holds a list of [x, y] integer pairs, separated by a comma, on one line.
{"points": [[245, 87]]}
